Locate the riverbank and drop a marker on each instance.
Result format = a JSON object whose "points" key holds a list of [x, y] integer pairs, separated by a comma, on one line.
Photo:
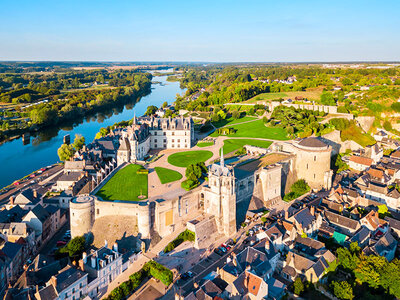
{"points": [[17, 159]]}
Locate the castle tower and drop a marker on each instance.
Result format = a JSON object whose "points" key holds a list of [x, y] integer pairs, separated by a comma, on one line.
{"points": [[220, 197]]}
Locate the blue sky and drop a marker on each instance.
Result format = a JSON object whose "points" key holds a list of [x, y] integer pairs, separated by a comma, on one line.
{"points": [[219, 30]]}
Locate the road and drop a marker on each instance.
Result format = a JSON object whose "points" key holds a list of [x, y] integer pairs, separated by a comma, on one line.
{"points": [[40, 184]]}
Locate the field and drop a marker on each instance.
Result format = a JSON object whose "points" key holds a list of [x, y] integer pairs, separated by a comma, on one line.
{"points": [[186, 158], [257, 129], [204, 144], [231, 145], [310, 94], [230, 121], [167, 175], [125, 185]]}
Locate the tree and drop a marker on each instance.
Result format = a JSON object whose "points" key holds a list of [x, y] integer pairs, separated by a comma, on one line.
{"points": [[165, 104], [298, 286], [79, 142], [342, 290], [327, 99], [65, 152], [76, 246], [151, 110], [236, 114]]}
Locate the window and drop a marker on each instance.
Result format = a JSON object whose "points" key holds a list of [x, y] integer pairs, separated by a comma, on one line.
{"points": [[173, 140], [315, 157], [173, 133], [165, 140], [307, 166], [98, 211], [164, 133], [179, 140], [155, 132]]}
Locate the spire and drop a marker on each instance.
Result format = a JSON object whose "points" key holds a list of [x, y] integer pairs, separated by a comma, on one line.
{"points": [[222, 157]]}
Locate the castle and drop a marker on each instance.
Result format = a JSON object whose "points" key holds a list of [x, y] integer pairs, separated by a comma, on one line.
{"points": [[147, 133], [222, 201]]}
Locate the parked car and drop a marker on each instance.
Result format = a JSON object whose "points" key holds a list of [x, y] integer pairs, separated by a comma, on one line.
{"points": [[218, 251], [61, 243]]}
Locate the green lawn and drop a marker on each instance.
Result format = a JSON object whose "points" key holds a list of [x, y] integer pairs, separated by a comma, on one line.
{"points": [[204, 144], [231, 145], [186, 158], [167, 175], [230, 121], [267, 96], [125, 185], [257, 129]]}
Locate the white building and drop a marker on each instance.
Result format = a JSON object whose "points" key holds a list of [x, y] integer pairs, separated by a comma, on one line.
{"points": [[154, 133]]}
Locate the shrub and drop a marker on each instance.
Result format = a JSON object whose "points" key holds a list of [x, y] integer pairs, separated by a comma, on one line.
{"points": [[142, 171], [186, 235], [189, 184], [159, 272], [300, 187]]}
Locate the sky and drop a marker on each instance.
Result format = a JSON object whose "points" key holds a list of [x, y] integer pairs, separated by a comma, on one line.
{"points": [[201, 31]]}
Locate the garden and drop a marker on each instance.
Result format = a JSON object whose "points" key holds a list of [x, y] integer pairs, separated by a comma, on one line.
{"points": [[231, 145], [128, 184], [167, 175], [186, 158]]}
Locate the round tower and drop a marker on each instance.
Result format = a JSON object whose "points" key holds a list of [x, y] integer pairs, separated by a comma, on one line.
{"points": [[144, 219], [81, 210]]}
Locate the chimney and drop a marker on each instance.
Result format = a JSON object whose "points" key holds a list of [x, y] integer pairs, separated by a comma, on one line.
{"points": [[234, 259], [105, 243], [115, 247], [54, 281], [286, 214], [84, 257], [35, 195], [312, 210], [93, 262], [12, 198], [81, 264]]}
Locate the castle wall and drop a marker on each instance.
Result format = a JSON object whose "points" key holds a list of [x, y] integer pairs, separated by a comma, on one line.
{"points": [[271, 180]]}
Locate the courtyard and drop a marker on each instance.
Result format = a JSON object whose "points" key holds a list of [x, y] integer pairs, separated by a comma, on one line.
{"points": [[126, 185]]}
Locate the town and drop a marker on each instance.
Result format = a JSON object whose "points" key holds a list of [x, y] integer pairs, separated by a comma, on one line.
{"points": [[156, 208]]}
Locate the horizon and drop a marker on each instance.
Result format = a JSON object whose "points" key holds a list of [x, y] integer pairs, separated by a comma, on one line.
{"points": [[217, 32]]}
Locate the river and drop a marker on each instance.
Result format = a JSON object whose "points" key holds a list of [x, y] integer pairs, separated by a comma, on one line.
{"points": [[18, 160]]}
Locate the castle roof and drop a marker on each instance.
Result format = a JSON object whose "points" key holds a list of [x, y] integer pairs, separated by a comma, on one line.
{"points": [[312, 142]]}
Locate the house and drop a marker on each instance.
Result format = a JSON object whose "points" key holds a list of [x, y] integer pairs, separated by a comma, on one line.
{"points": [[361, 237], [13, 251], [394, 226], [374, 152], [69, 283], [296, 264], [276, 289], [306, 221], [102, 267], [71, 180], [360, 163], [248, 259], [385, 246], [40, 221], [26, 200], [372, 220], [380, 135], [342, 224], [249, 286]]}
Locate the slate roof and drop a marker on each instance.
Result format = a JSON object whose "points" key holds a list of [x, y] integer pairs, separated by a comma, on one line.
{"points": [[361, 235], [40, 213], [48, 293], [68, 276], [11, 249], [395, 224], [341, 220], [312, 142], [26, 197], [299, 262], [70, 176], [304, 217]]}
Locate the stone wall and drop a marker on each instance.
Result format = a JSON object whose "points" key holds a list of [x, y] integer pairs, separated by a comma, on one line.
{"points": [[365, 122]]}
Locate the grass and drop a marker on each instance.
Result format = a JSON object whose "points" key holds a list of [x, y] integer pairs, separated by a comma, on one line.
{"points": [[125, 185], [354, 133], [231, 145], [204, 144], [257, 129], [310, 94], [186, 158], [230, 121], [167, 175]]}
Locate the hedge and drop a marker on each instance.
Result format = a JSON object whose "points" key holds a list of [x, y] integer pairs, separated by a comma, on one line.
{"points": [[151, 268], [186, 235]]}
